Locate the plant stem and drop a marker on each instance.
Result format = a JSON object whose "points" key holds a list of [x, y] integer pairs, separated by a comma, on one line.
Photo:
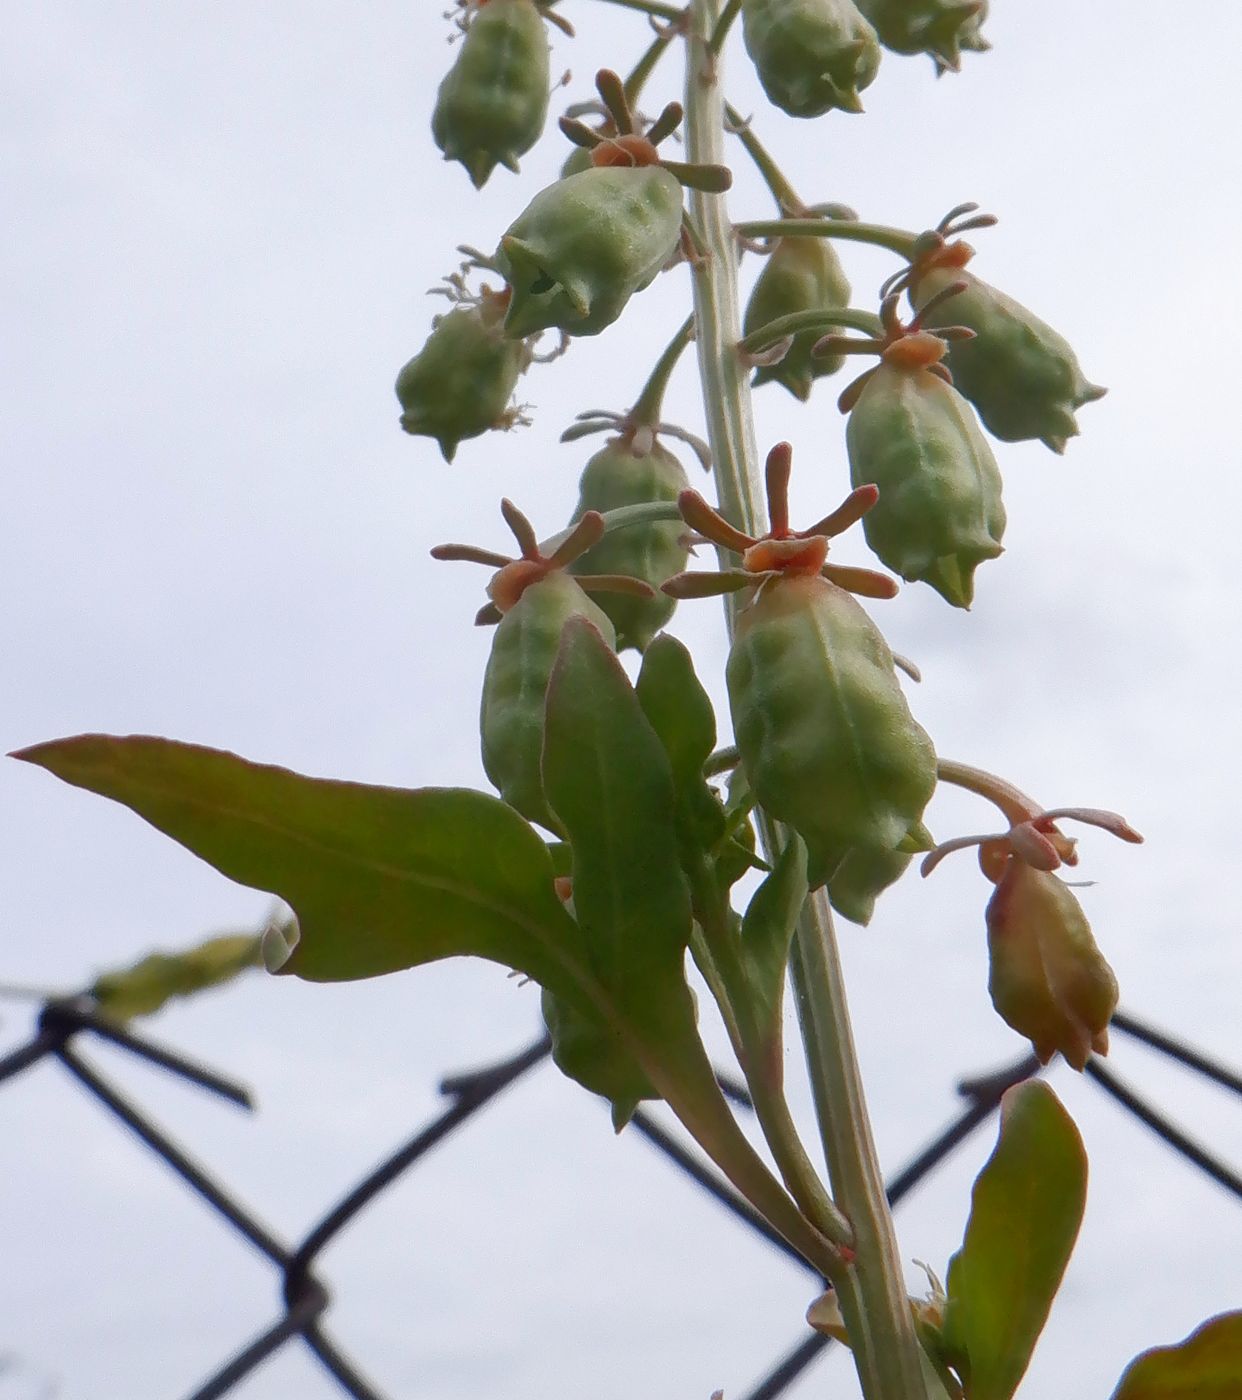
{"points": [[782, 191], [896, 240], [797, 321], [645, 66], [872, 1292], [649, 7], [650, 402]]}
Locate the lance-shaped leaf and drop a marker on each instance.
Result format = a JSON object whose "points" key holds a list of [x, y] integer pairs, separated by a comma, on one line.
{"points": [[146, 986], [680, 712], [1025, 1212], [767, 929], [380, 878], [1206, 1366], [595, 1054], [608, 780]]}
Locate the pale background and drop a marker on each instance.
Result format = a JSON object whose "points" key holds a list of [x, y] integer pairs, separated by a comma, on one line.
{"points": [[221, 221]]}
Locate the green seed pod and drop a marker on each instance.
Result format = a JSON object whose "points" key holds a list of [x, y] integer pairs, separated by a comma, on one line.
{"points": [[860, 879], [811, 55], [801, 274], [941, 28], [617, 476], [585, 245], [1021, 375], [825, 736], [460, 383], [578, 160], [493, 102], [515, 687], [939, 515]]}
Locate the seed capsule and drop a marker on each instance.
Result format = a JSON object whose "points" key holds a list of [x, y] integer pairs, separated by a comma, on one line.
{"points": [[616, 476], [461, 382], [586, 244], [825, 736], [1020, 374], [493, 102], [811, 55], [801, 274], [515, 687], [940, 513], [860, 879], [941, 28]]}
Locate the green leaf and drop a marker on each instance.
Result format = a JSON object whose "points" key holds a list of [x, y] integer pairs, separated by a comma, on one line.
{"points": [[380, 878], [607, 778], [681, 714], [149, 984], [1206, 1366], [1025, 1212], [594, 1054], [768, 927]]}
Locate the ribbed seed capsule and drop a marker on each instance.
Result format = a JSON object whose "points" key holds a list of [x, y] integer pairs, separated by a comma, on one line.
{"points": [[811, 55], [515, 687], [825, 736], [586, 244], [800, 274], [860, 879], [493, 102], [460, 383], [941, 28], [618, 476], [940, 514], [1020, 374]]}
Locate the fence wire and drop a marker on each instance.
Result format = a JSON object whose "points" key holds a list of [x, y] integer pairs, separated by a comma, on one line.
{"points": [[63, 1025]]}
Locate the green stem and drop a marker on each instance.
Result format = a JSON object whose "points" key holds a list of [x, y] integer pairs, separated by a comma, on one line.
{"points": [[872, 1291], [648, 405], [645, 66], [759, 1052], [783, 192], [797, 321], [721, 32], [896, 240], [721, 761]]}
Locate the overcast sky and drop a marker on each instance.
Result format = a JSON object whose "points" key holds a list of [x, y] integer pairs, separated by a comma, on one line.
{"points": [[222, 220]]}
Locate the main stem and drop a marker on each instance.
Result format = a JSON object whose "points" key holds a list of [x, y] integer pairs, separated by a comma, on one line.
{"points": [[872, 1293]]}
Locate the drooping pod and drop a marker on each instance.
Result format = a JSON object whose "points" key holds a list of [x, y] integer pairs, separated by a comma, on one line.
{"points": [[461, 382], [811, 55], [800, 274], [910, 432], [626, 473], [493, 102], [1021, 375], [515, 687], [861, 877], [823, 729], [532, 598], [940, 28]]}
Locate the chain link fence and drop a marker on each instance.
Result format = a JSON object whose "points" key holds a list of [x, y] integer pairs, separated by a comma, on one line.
{"points": [[66, 1027]]}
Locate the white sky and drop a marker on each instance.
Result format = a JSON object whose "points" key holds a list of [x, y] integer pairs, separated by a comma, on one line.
{"points": [[222, 221]]}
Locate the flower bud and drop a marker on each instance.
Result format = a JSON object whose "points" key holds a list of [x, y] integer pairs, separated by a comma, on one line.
{"points": [[1020, 374], [823, 729], [515, 687], [619, 475], [939, 514], [1048, 979], [586, 244], [460, 383], [811, 55], [941, 28], [800, 274], [493, 102]]}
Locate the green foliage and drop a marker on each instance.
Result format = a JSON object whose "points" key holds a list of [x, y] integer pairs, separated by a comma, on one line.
{"points": [[595, 1054], [151, 983], [1206, 1366], [767, 930], [380, 878], [1026, 1208]]}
